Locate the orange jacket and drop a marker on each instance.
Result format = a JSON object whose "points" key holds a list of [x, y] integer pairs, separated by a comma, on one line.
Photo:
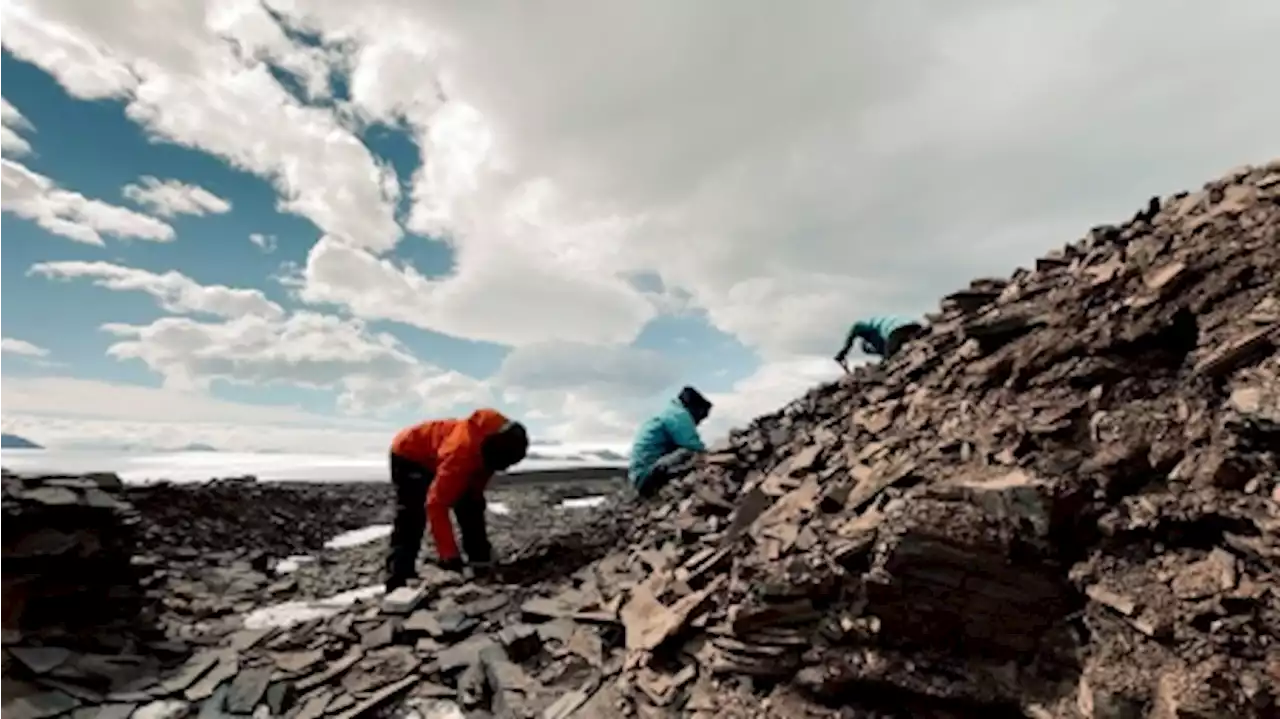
{"points": [[451, 449]]}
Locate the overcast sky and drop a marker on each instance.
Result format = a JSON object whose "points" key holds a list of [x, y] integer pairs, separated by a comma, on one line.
{"points": [[302, 223]]}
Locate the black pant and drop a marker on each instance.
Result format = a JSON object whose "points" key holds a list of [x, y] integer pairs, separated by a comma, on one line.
{"points": [[899, 337], [412, 481]]}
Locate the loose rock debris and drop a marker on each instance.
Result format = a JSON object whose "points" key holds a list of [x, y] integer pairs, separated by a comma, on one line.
{"points": [[1059, 502]]}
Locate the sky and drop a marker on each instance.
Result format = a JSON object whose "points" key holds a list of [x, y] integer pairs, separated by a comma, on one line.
{"points": [[301, 224]]}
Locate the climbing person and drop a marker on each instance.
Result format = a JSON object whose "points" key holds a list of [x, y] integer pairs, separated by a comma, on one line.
{"points": [[444, 465], [666, 443], [882, 336]]}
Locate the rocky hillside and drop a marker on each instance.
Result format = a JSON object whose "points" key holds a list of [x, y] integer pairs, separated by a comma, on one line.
{"points": [[1062, 502]]}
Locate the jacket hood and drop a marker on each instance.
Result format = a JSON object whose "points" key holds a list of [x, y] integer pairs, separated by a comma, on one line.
{"points": [[694, 401]]}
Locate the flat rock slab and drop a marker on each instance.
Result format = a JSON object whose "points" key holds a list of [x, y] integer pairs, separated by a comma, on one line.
{"points": [[225, 670], [247, 690], [487, 605], [403, 600], [55, 496], [162, 709], [464, 654], [294, 662], [189, 673], [39, 706], [105, 711], [380, 636], [40, 660]]}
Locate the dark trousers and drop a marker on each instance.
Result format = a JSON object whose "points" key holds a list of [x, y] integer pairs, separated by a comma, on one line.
{"points": [[412, 481], [669, 466], [899, 337]]}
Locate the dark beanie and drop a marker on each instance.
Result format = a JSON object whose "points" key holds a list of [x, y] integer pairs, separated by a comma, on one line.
{"points": [[698, 405], [505, 447]]}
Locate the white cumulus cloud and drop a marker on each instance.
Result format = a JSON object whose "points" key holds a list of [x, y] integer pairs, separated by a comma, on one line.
{"points": [[370, 372], [792, 168], [174, 291], [266, 243], [785, 169], [10, 345], [13, 122], [173, 197], [70, 214], [195, 74]]}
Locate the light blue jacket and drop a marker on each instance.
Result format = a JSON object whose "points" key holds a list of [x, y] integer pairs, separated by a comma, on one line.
{"points": [[671, 429], [875, 331]]}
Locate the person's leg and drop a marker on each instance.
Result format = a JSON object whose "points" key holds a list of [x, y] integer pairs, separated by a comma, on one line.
{"points": [[901, 336], [671, 465], [470, 514], [411, 481]]}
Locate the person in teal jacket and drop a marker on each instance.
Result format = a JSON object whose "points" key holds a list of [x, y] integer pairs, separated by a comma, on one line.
{"points": [[882, 336], [665, 444]]}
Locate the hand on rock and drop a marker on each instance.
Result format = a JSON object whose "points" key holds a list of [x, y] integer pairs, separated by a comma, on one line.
{"points": [[451, 565]]}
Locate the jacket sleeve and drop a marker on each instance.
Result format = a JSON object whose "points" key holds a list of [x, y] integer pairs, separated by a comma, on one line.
{"points": [[683, 431], [458, 461]]}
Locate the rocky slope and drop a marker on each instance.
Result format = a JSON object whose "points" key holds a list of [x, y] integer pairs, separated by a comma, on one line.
{"points": [[1060, 502]]}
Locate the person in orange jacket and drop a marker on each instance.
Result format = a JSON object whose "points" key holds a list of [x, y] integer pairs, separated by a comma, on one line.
{"points": [[442, 465]]}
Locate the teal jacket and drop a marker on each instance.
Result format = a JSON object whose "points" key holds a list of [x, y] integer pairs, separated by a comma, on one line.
{"points": [[875, 332], [671, 429]]}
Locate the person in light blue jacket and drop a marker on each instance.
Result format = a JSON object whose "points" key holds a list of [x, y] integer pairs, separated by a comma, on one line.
{"points": [[882, 336], [665, 445]]}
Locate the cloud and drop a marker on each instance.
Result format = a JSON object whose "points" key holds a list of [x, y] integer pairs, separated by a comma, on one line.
{"points": [[792, 169], [172, 197], [371, 372], [266, 243], [509, 296], [11, 143], [786, 170], [67, 213], [612, 371], [10, 345], [198, 76], [62, 411], [581, 391], [174, 291], [770, 387], [257, 343]]}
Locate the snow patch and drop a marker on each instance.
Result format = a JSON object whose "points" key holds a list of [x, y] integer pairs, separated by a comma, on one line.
{"points": [[292, 562], [430, 709], [287, 614], [583, 502], [356, 537]]}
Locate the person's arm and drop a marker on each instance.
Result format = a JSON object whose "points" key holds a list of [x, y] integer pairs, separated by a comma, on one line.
{"points": [[459, 461], [684, 432]]}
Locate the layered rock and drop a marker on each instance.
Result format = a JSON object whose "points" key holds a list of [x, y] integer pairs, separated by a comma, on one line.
{"points": [[180, 521], [1059, 502], [69, 577]]}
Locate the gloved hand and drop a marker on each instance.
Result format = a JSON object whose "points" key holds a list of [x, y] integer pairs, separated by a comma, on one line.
{"points": [[451, 565], [479, 569]]}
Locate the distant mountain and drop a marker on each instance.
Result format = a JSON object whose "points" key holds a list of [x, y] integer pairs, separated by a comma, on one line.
{"points": [[13, 441], [608, 455], [198, 447]]}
